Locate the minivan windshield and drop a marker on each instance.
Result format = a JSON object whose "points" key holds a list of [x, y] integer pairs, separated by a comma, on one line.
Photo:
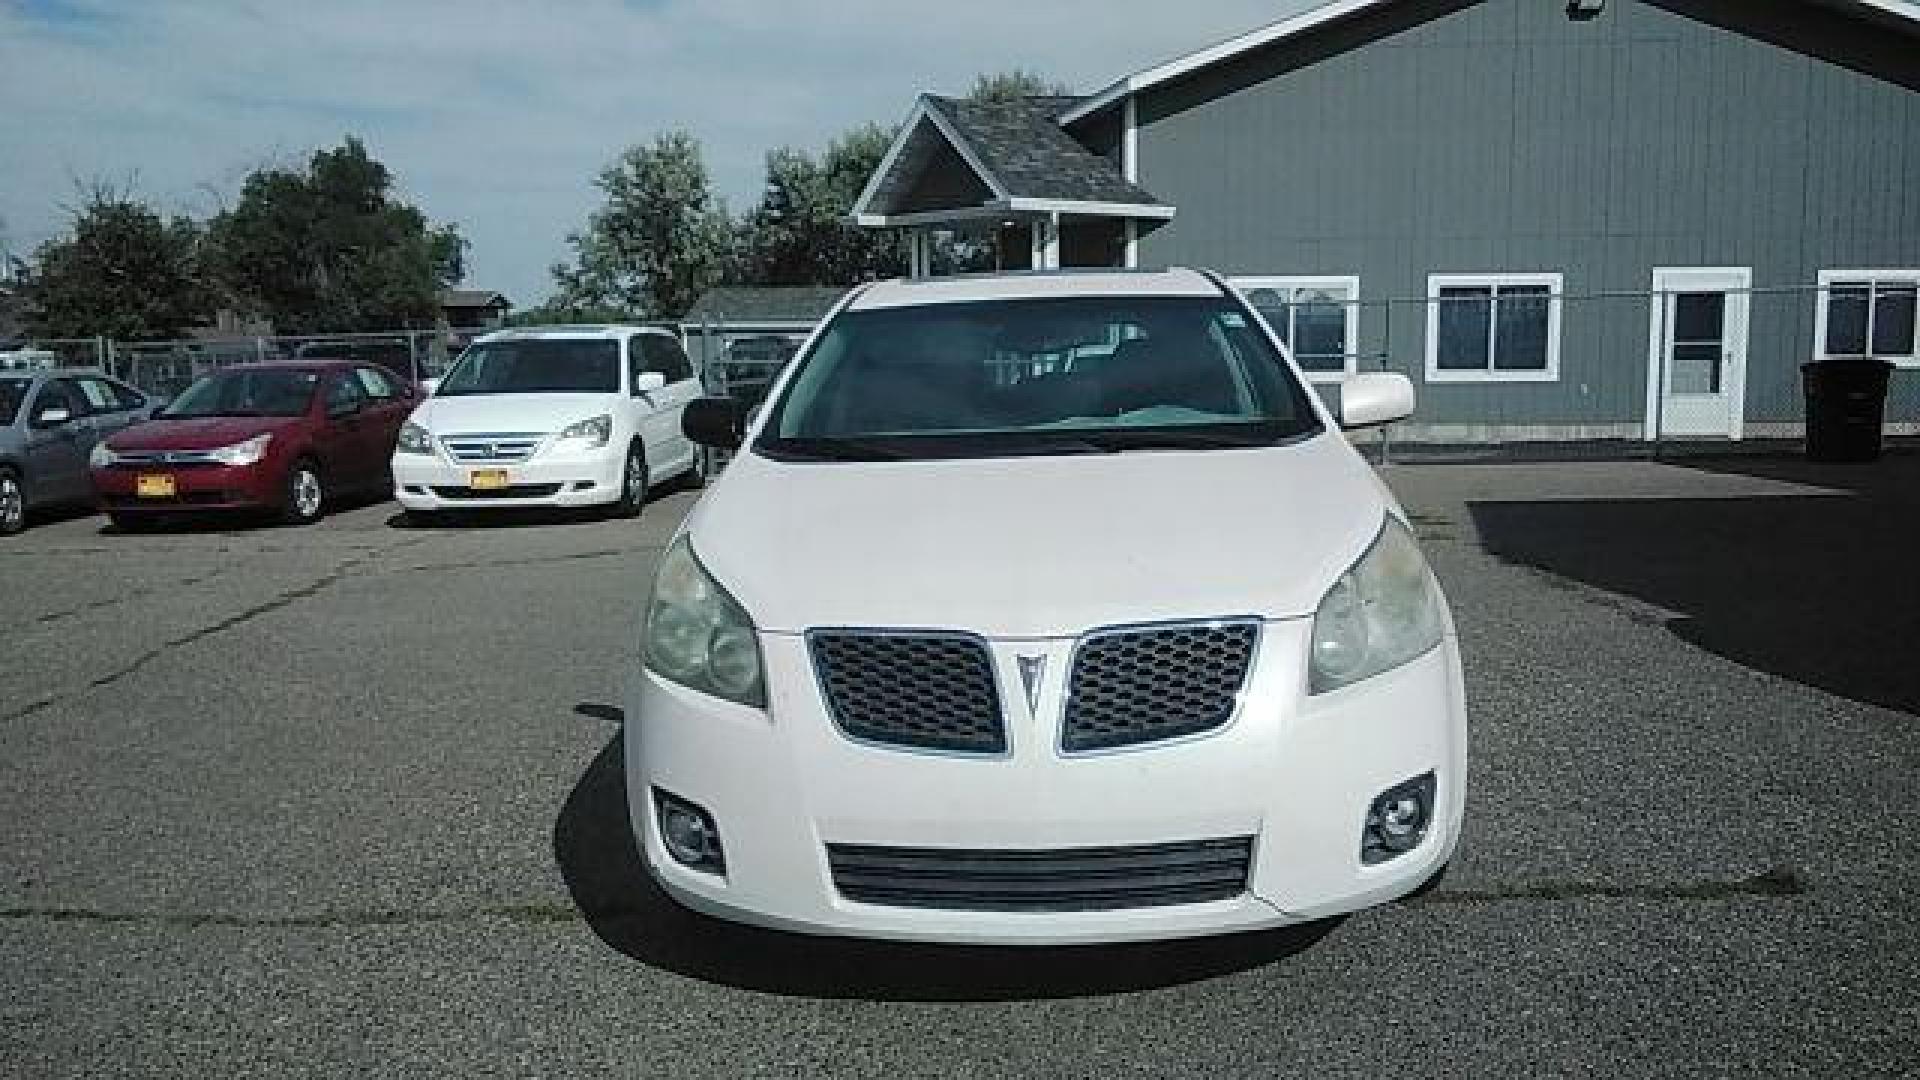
{"points": [[1057, 375], [12, 393], [536, 366], [247, 392]]}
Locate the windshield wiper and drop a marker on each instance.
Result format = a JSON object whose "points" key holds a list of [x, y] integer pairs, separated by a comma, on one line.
{"points": [[1121, 440], [836, 450]]}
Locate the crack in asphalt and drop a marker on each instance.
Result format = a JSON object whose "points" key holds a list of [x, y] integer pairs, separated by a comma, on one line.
{"points": [[542, 560], [340, 571], [1780, 881], [525, 914], [51, 618], [1777, 883]]}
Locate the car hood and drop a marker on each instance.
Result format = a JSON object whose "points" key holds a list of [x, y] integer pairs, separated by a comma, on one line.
{"points": [[1038, 546], [509, 413], [198, 433]]}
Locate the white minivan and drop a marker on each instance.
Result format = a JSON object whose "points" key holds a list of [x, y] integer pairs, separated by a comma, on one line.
{"points": [[1045, 608], [557, 416]]}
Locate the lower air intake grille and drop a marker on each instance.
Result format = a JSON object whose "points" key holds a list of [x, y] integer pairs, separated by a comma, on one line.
{"points": [[916, 690], [1162, 682], [1065, 879]]}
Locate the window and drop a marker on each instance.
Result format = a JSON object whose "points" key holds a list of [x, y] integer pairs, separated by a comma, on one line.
{"points": [[56, 395], [536, 366], [376, 384], [1493, 327], [1867, 314], [662, 354], [1054, 375], [1317, 318], [344, 397]]}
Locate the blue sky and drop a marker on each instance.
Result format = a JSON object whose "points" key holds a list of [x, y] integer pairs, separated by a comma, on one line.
{"points": [[496, 114]]}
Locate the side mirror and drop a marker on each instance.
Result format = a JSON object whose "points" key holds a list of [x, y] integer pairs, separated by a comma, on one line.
{"points": [[718, 422], [428, 386], [1375, 398], [341, 412], [646, 382], [53, 417]]}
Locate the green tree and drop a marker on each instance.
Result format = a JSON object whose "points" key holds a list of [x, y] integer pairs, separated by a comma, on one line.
{"points": [[801, 233], [124, 272], [331, 248], [660, 238], [1017, 83]]}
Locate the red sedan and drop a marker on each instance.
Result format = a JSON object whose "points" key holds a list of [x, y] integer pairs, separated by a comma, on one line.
{"points": [[288, 438]]}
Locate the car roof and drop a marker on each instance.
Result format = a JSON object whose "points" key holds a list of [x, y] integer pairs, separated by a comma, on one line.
{"points": [[1177, 281], [575, 331]]}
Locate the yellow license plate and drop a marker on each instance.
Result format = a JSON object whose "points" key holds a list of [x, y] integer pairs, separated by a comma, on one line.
{"points": [[154, 486], [487, 479]]}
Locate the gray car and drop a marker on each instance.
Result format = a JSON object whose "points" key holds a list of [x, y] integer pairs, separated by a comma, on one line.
{"points": [[49, 422]]}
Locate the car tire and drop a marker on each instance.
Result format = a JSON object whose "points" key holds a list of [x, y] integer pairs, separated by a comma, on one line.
{"points": [[695, 477], [13, 503], [633, 484], [306, 494]]}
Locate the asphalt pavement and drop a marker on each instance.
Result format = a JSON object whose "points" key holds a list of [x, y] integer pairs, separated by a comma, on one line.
{"points": [[346, 801]]}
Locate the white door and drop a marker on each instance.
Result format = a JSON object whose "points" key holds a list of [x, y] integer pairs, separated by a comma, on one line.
{"points": [[1697, 359]]}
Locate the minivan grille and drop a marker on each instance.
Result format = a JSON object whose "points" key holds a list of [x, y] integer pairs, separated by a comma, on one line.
{"points": [[921, 690], [1144, 685], [1063, 879], [518, 446]]}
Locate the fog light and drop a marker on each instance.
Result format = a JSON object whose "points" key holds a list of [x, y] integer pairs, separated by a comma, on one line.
{"points": [[688, 834], [1397, 821]]}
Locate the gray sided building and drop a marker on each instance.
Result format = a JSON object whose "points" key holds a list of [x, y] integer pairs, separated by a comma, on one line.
{"points": [[1614, 219]]}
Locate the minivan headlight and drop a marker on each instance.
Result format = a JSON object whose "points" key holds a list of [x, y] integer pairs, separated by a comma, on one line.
{"points": [[593, 431], [243, 453], [1383, 612], [697, 635], [414, 439]]}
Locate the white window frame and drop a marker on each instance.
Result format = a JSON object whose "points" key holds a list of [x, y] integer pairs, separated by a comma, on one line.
{"points": [[1349, 282], [1874, 278], [1556, 287]]}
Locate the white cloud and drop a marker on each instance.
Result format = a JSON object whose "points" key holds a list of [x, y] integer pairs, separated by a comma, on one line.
{"points": [[496, 114]]}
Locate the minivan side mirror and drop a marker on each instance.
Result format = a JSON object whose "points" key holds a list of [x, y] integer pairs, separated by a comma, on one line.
{"points": [[646, 382], [718, 422], [1374, 398]]}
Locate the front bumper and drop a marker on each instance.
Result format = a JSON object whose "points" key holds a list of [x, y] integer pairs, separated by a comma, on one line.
{"points": [[1297, 773], [196, 487], [548, 479]]}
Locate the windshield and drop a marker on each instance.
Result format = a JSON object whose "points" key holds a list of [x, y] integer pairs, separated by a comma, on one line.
{"points": [[12, 393], [1040, 376], [247, 392], [536, 366]]}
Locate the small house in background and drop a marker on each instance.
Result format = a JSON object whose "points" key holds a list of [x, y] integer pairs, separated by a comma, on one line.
{"points": [[739, 338], [473, 310]]}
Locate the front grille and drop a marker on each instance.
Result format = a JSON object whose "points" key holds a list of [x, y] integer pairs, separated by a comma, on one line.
{"points": [[515, 491], [170, 458], [1064, 879], [919, 690], [1144, 685], [481, 446]]}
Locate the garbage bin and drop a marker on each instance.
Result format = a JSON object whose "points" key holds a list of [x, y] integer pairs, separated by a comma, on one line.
{"points": [[1846, 402]]}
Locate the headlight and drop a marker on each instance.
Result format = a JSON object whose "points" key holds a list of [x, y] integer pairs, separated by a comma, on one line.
{"points": [[242, 453], [697, 635], [594, 432], [101, 457], [414, 439], [1383, 612]]}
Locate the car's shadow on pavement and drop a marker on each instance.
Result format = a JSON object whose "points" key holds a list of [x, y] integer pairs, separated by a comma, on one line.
{"points": [[1822, 588], [594, 845]]}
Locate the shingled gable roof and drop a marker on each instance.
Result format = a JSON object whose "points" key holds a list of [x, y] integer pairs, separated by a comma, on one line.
{"points": [[1308, 15], [797, 304], [1023, 159]]}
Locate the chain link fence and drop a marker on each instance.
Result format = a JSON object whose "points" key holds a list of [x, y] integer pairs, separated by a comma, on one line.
{"points": [[165, 368]]}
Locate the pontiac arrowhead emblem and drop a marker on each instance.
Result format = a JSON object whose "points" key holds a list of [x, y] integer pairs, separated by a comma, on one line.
{"points": [[1033, 674]]}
